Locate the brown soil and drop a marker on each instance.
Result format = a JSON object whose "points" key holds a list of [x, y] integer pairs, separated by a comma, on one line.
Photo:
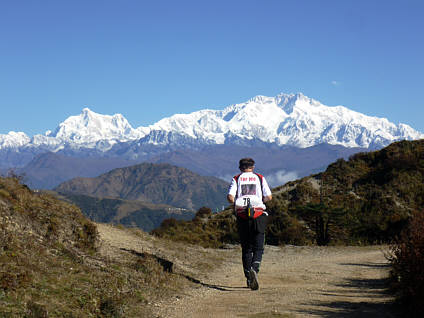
{"points": [[294, 281]]}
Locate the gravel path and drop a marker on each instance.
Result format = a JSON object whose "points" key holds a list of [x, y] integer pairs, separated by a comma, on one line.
{"points": [[294, 281]]}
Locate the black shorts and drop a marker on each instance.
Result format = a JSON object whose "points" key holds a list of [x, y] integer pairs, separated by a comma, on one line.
{"points": [[257, 225]]}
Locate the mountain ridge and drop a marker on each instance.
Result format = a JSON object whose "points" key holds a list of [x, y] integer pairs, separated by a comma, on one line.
{"points": [[279, 164], [286, 119], [153, 183], [49, 169]]}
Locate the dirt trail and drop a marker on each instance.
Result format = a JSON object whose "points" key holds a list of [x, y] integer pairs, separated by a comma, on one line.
{"points": [[294, 282]]}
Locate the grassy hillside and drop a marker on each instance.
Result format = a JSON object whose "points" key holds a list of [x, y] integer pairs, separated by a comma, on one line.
{"points": [[53, 265], [367, 199], [153, 183]]}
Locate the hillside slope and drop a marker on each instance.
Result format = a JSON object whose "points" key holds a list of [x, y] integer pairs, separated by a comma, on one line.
{"points": [[153, 183], [367, 199], [53, 263]]}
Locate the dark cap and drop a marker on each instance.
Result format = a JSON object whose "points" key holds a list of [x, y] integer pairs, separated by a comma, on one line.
{"points": [[246, 163]]}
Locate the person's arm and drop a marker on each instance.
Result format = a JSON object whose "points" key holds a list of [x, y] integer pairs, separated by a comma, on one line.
{"points": [[267, 194], [267, 198], [232, 191], [230, 198]]}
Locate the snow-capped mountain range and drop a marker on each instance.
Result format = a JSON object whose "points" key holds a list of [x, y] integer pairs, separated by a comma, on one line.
{"points": [[286, 119]]}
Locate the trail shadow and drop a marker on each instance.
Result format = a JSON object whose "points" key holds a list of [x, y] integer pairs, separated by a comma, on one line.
{"points": [[369, 265], [368, 285], [349, 305], [213, 286], [168, 266], [347, 309]]}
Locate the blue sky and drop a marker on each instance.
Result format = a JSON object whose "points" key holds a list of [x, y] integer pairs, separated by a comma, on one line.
{"points": [[151, 59]]}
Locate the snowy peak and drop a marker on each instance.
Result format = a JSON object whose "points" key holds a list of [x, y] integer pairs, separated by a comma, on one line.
{"points": [[89, 127], [14, 140], [288, 102], [286, 119]]}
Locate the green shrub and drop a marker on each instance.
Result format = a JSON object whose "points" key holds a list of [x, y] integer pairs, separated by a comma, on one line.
{"points": [[203, 212]]}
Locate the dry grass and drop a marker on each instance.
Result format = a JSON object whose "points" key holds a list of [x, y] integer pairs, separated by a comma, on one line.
{"points": [[50, 265], [407, 274]]}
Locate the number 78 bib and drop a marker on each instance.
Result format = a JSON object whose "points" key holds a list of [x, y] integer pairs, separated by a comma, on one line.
{"points": [[245, 200]]}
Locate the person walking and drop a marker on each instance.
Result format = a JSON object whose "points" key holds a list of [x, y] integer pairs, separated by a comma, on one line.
{"points": [[248, 192]]}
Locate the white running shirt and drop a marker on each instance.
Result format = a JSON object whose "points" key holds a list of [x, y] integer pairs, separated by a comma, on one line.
{"points": [[249, 186]]}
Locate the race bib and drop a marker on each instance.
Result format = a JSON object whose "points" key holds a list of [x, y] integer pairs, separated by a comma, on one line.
{"points": [[245, 200]]}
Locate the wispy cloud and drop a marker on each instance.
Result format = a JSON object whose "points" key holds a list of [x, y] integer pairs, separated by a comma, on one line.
{"points": [[281, 177], [335, 83]]}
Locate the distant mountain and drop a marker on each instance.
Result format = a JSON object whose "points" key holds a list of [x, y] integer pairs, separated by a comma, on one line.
{"points": [[153, 183], [48, 170], [284, 120], [287, 119], [279, 164]]}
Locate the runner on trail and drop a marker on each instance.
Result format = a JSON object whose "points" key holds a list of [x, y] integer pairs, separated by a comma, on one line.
{"points": [[248, 192]]}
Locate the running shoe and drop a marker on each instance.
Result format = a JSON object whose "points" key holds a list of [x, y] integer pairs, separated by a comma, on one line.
{"points": [[253, 278]]}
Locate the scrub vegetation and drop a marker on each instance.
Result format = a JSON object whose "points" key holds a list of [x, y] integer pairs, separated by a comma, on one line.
{"points": [[51, 265], [407, 274], [368, 199]]}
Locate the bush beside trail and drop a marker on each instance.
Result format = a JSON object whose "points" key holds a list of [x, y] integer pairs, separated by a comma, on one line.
{"points": [[206, 229], [407, 274]]}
